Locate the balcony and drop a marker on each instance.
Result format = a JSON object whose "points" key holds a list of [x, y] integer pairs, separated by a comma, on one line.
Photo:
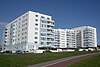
{"points": [[50, 32], [50, 35], [50, 39], [50, 24], [50, 43]]}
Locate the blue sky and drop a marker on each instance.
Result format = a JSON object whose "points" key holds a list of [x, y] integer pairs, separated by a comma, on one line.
{"points": [[66, 13]]}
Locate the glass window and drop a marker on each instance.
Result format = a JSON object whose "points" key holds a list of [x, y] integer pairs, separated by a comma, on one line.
{"points": [[35, 37], [36, 15], [42, 17], [36, 32], [35, 42], [36, 19], [19, 18], [18, 34], [36, 24], [22, 33], [19, 26], [36, 28], [48, 18]]}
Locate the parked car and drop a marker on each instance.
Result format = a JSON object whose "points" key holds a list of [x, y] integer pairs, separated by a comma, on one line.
{"points": [[6, 52], [9, 52], [19, 52], [47, 51]]}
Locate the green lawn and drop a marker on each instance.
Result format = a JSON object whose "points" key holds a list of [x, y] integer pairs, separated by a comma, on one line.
{"points": [[22, 60], [90, 62]]}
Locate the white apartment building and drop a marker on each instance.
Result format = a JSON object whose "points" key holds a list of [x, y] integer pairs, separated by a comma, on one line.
{"points": [[32, 30], [86, 37], [80, 37], [65, 38], [29, 31]]}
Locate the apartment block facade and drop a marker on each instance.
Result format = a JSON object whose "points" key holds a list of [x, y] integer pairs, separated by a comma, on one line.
{"points": [[80, 37], [86, 36], [65, 38], [32, 30], [28, 31]]}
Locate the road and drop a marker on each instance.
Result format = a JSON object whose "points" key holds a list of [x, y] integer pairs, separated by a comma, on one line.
{"points": [[65, 61]]}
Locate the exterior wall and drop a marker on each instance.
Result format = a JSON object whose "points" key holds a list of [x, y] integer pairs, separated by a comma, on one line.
{"points": [[31, 28], [25, 31], [87, 36], [82, 37], [46, 30], [40, 29], [16, 31], [35, 29], [57, 38], [65, 38], [62, 35], [70, 38]]}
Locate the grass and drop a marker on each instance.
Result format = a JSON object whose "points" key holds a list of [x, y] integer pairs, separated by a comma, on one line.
{"points": [[90, 62], [22, 60]]}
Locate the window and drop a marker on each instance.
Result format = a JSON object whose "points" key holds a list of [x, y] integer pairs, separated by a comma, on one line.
{"points": [[36, 15], [45, 25], [22, 25], [42, 17], [43, 21], [18, 39], [43, 38], [25, 28], [26, 24], [19, 18], [35, 42], [36, 32], [42, 25], [35, 37], [18, 34], [24, 16], [22, 33], [36, 24], [36, 28], [5, 29], [26, 20], [19, 22], [25, 32], [43, 30], [42, 43], [18, 30], [5, 32], [36, 19], [25, 37], [22, 37], [5, 41], [22, 29], [42, 34], [19, 26], [48, 18], [25, 42]]}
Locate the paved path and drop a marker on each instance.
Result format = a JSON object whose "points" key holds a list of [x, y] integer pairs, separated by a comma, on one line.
{"points": [[65, 61]]}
